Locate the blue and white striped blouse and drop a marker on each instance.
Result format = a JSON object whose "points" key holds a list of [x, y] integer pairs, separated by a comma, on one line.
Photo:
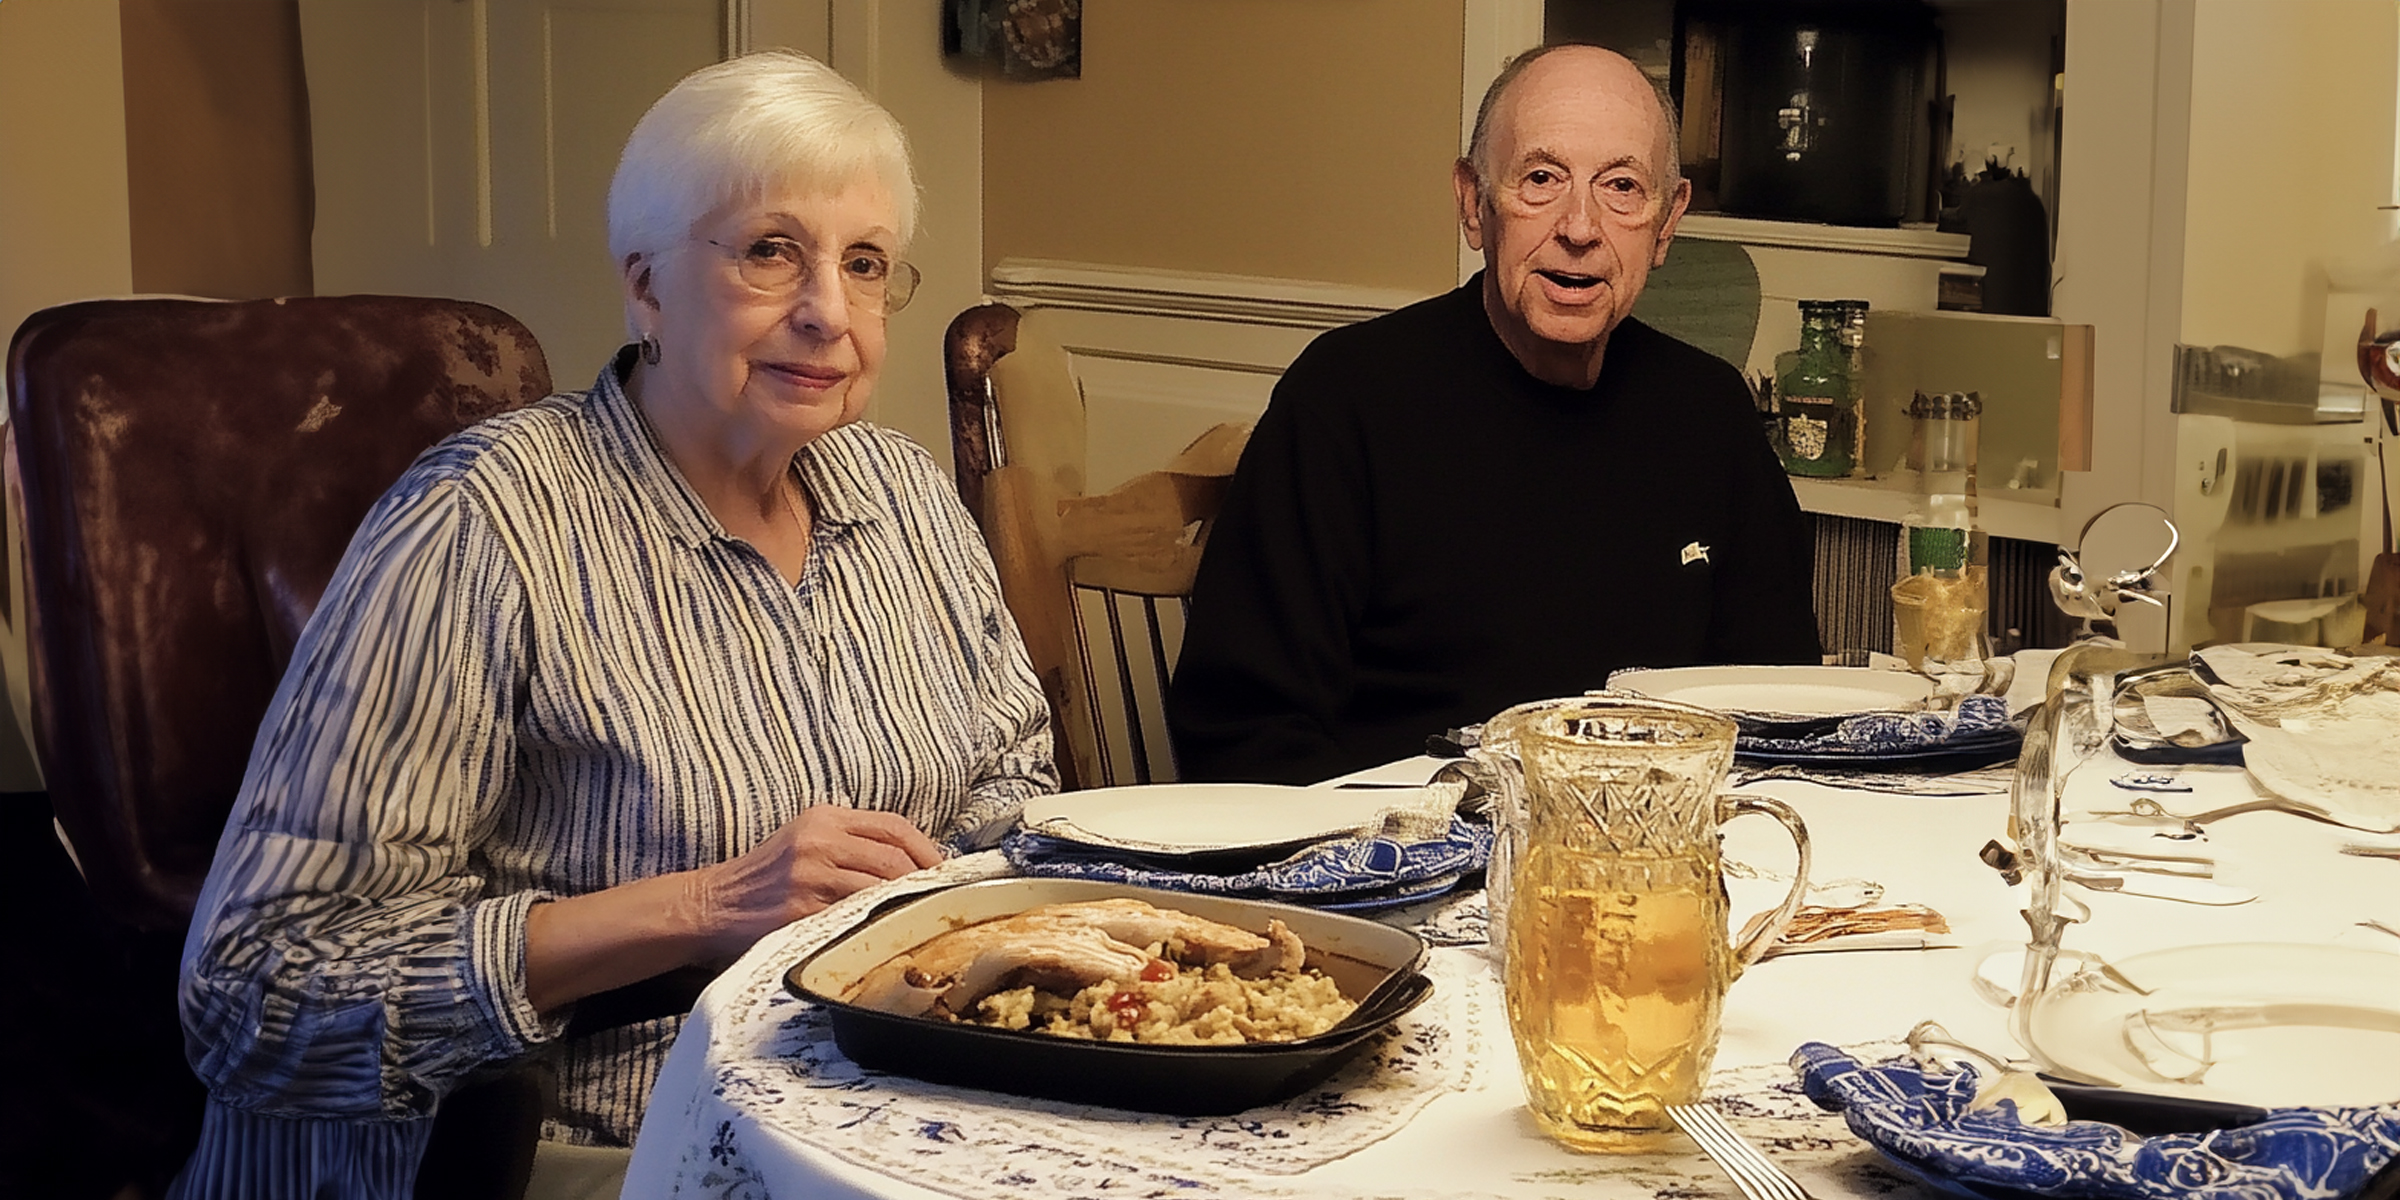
{"points": [[544, 669]]}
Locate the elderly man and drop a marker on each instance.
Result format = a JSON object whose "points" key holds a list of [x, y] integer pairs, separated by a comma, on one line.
{"points": [[1501, 494]]}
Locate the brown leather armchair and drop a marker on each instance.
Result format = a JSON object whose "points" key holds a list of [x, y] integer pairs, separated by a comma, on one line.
{"points": [[188, 474]]}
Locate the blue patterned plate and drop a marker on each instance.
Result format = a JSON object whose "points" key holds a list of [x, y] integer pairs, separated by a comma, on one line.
{"points": [[1780, 694], [1356, 869], [1978, 734], [1170, 819], [1962, 754], [1954, 1187], [1396, 897]]}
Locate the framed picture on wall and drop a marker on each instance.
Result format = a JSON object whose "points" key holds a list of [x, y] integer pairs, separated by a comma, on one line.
{"points": [[1029, 39]]}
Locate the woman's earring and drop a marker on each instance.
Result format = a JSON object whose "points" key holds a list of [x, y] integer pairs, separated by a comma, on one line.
{"points": [[650, 348]]}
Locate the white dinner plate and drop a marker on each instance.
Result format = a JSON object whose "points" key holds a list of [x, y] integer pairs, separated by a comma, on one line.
{"points": [[2258, 1023], [1780, 693], [1207, 818]]}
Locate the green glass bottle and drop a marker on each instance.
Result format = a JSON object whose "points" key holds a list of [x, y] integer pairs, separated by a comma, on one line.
{"points": [[1815, 396]]}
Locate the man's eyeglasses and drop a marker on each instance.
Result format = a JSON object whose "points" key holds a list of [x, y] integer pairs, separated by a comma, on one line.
{"points": [[777, 266], [1542, 189]]}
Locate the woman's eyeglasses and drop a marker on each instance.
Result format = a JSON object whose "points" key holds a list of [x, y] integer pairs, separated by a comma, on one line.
{"points": [[778, 266]]}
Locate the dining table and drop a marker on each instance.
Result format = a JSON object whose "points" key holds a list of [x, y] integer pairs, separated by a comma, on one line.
{"points": [[756, 1100]]}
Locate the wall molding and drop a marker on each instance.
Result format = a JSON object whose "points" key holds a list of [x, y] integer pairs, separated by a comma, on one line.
{"points": [[1190, 295], [1844, 239], [1162, 356]]}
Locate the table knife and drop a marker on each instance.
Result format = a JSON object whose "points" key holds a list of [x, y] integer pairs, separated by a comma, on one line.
{"points": [[2148, 1113]]}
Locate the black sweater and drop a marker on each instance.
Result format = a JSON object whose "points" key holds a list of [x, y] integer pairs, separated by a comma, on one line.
{"points": [[1421, 534]]}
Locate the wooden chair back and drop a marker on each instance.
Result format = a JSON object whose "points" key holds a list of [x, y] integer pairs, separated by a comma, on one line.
{"points": [[1097, 583]]}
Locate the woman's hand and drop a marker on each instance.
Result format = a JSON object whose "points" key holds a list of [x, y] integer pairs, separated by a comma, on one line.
{"points": [[818, 857], [583, 945]]}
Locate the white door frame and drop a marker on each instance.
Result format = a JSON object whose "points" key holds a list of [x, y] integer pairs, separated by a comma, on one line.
{"points": [[1496, 31]]}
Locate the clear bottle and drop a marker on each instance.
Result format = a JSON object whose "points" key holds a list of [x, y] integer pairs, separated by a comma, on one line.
{"points": [[1941, 604], [1815, 396], [1853, 336], [1943, 535]]}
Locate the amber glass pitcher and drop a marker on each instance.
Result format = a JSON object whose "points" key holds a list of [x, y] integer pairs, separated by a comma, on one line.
{"points": [[1608, 895]]}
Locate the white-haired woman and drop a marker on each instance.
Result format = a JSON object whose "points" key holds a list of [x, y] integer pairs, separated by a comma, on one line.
{"points": [[615, 684]]}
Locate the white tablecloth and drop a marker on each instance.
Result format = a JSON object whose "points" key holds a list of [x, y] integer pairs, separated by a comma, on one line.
{"points": [[724, 1122]]}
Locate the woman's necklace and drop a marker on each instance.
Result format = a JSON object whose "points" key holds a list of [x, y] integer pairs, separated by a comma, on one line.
{"points": [[800, 522], [791, 506]]}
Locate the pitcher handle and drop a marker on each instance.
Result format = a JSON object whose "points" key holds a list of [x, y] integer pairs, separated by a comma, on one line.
{"points": [[1756, 944]]}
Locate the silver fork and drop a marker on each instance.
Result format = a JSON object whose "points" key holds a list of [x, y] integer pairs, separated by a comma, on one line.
{"points": [[1752, 1171]]}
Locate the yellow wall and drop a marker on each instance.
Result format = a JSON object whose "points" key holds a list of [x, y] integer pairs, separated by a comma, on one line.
{"points": [[62, 156], [2291, 152], [62, 224], [1300, 140], [216, 147], [898, 59], [151, 146]]}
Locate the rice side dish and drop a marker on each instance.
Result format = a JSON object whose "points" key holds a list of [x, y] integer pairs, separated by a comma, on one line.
{"points": [[1116, 970], [1200, 1006]]}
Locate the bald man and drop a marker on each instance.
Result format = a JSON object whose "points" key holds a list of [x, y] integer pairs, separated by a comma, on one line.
{"points": [[1501, 494]]}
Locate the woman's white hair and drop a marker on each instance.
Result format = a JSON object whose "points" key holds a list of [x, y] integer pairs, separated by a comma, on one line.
{"points": [[740, 128]]}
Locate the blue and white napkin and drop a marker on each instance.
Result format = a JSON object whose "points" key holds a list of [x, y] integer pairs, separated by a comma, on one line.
{"points": [[1919, 1119]]}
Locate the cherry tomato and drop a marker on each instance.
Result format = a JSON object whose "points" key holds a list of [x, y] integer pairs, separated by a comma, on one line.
{"points": [[1159, 971]]}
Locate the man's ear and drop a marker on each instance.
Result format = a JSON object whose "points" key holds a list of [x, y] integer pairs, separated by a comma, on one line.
{"points": [[1468, 192], [1676, 204]]}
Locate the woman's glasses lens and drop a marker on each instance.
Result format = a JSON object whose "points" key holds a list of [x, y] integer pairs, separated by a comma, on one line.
{"points": [[777, 267], [900, 287]]}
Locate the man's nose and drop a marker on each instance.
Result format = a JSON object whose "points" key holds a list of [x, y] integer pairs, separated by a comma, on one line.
{"points": [[1579, 225]]}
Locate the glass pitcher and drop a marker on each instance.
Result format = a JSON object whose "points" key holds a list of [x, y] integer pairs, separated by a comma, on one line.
{"points": [[1608, 897]]}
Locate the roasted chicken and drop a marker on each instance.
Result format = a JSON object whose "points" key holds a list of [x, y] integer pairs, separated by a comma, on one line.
{"points": [[1065, 947]]}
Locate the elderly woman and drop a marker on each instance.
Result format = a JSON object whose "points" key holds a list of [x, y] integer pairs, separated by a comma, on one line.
{"points": [[617, 683]]}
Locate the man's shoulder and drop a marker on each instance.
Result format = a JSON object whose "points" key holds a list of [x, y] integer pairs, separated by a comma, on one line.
{"points": [[1450, 315], [1396, 351], [1689, 387], [1646, 350]]}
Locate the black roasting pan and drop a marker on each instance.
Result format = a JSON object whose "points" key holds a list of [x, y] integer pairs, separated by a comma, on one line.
{"points": [[1367, 959]]}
